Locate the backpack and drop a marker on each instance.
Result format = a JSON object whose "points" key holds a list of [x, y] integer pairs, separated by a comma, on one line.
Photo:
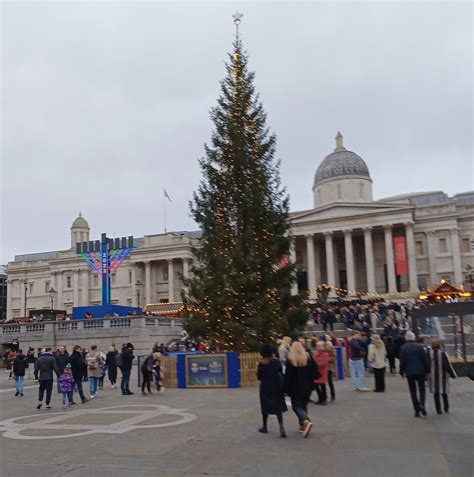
{"points": [[119, 360]]}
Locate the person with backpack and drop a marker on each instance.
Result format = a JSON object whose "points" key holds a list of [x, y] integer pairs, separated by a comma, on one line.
{"points": [[93, 361], [20, 365], [124, 362]]}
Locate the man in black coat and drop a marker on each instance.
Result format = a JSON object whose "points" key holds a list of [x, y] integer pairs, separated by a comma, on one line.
{"points": [[77, 370], [126, 361], [414, 364], [45, 368], [20, 365]]}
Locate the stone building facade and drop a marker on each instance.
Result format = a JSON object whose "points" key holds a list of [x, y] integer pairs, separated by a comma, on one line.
{"points": [[345, 241]]}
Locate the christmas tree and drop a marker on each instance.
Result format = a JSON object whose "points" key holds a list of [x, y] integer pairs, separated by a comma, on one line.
{"points": [[240, 291]]}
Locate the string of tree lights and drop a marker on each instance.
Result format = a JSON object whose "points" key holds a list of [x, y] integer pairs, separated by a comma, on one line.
{"points": [[239, 293]]}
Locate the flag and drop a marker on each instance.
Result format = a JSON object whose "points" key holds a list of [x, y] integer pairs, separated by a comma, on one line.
{"points": [[166, 195]]}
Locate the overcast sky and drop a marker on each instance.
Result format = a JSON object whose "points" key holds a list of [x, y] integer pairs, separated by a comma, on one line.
{"points": [[105, 104]]}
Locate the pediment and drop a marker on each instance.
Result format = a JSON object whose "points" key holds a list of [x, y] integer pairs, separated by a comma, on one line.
{"points": [[347, 210]]}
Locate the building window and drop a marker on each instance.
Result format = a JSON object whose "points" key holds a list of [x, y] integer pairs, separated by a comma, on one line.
{"points": [[339, 191], [129, 276], [31, 288], [361, 190], [319, 196], [113, 279], [442, 245], [420, 250], [446, 276], [165, 274], [69, 282], [46, 287], [299, 257], [422, 282], [96, 280], [164, 300], [465, 245]]}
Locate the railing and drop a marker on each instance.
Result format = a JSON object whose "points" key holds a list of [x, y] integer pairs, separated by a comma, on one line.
{"points": [[35, 328], [67, 325], [120, 322], [10, 329], [93, 324]]}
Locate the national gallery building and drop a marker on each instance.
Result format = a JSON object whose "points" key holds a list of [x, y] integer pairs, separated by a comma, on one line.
{"points": [[346, 240]]}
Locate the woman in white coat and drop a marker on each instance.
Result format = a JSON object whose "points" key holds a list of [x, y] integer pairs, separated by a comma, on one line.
{"points": [[377, 356]]}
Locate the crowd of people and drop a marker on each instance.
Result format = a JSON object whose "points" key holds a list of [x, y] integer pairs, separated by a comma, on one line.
{"points": [[293, 371], [72, 370]]}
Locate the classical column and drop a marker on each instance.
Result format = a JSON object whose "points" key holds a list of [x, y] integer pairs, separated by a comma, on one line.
{"points": [[170, 280], [369, 260], [412, 273], [431, 241], [311, 265], [9, 313], [330, 261], [59, 290], [351, 286], [456, 251], [186, 267], [294, 285], [392, 283], [133, 269], [75, 285], [85, 287], [147, 282]]}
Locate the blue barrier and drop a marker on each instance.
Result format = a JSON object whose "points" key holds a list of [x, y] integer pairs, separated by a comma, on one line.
{"points": [[339, 358]]}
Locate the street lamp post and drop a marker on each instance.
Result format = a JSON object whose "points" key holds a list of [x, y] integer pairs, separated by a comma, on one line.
{"points": [[52, 291], [26, 297]]}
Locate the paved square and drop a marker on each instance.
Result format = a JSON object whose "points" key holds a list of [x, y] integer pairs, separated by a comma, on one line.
{"points": [[189, 433]]}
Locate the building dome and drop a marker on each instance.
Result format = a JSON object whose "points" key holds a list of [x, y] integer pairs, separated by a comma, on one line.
{"points": [[80, 222], [343, 176], [339, 163]]}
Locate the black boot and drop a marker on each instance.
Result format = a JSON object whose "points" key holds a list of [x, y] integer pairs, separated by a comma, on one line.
{"points": [[264, 429]]}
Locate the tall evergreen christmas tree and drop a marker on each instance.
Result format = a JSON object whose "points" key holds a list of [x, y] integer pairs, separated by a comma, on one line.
{"points": [[240, 290]]}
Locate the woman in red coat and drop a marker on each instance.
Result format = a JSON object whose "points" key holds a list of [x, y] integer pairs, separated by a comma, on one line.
{"points": [[322, 360]]}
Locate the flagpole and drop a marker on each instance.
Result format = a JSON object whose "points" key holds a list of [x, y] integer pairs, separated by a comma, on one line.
{"points": [[164, 208]]}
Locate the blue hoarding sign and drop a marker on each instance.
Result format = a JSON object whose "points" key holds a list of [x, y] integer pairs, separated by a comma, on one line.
{"points": [[206, 370]]}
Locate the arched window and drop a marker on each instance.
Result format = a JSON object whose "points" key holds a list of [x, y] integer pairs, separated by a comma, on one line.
{"points": [[339, 191], [361, 188], [319, 196]]}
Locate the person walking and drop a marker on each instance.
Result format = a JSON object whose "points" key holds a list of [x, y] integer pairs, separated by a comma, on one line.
{"points": [[147, 374], [93, 361], [19, 366], [125, 360], [283, 351], [321, 358], [272, 399], [77, 371], [111, 363], [30, 355], [62, 359], [391, 351], [158, 372], [331, 368], [441, 370], [358, 354], [45, 367], [301, 371], [377, 356], [414, 364], [66, 382]]}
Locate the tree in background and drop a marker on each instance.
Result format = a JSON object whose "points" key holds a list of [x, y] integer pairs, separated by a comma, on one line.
{"points": [[240, 291]]}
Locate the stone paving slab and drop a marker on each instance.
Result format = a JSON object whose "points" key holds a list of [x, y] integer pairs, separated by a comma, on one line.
{"points": [[361, 434]]}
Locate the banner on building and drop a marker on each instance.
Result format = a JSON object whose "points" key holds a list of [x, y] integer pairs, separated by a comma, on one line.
{"points": [[400, 250]]}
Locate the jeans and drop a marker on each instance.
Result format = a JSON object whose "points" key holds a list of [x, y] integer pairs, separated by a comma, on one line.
{"points": [[300, 408], [357, 374], [45, 385], [112, 372], [438, 403], [379, 375], [158, 382], [125, 384], [412, 381], [331, 385], [65, 399], [19, 384], [93, 385], [77, 385]]}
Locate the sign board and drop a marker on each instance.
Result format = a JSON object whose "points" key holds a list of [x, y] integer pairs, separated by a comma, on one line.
{"points": [[206, 371]]}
